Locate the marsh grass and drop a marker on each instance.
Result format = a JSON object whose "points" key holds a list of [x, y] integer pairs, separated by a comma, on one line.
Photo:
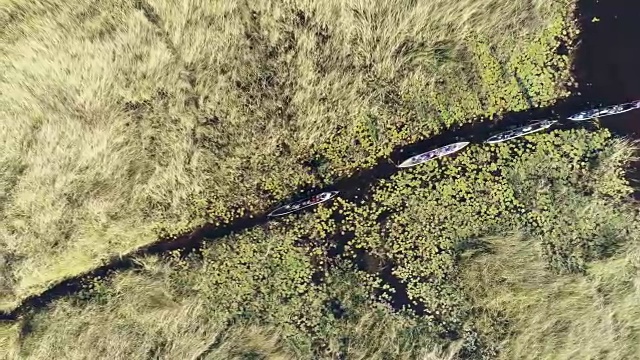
{"points": [[9, 340], [126, 121], [570, 291], [564, 191], [276, 291], [180, 309], [551, 316]]}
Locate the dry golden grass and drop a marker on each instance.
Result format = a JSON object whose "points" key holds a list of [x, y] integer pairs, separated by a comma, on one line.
{"points": [[123, 121], [538, 313], [558, 317], [155, 314], [9, 340]]}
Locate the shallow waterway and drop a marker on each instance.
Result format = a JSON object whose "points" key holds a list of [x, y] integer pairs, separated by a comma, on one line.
{"points": [[606, 66]]}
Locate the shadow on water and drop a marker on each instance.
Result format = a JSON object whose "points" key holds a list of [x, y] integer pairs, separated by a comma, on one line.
{"points": [[605, 67]]}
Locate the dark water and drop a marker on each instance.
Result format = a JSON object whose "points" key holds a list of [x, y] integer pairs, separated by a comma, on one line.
{"points": [[608, 59], [607, 68], [608, 64]]}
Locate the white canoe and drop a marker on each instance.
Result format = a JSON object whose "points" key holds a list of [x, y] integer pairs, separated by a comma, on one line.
{"points": [[301, 204], [433, 154], [605, 111], [521, 131]]}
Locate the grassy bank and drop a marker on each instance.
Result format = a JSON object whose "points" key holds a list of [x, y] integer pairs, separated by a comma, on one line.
{"points": [[250, 295], [469, 246], [125, 121], [591, 316]]}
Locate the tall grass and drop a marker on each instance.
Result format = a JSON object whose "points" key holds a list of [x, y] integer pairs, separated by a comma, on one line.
{"points": [[552, 316], [159, 313], [574, 292], [125, 121], [278, 291]]}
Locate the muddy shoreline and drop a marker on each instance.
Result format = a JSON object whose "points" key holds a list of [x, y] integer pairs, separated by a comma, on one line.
{"points": [[604, 66]]}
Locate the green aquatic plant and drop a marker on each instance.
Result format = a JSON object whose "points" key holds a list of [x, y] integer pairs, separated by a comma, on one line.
{"points": [[420, 221], [208, 121]]}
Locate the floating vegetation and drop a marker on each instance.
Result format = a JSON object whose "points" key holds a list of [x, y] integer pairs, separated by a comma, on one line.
{"points": [[418, 222], [606, 111], [230, 112]]}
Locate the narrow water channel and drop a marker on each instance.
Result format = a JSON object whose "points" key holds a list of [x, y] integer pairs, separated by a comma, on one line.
{"points": [[607, 68], [607, 64]]}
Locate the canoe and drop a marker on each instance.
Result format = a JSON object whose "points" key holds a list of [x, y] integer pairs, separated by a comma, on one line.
{"points": [[605, 111], [433, 154], [301, 204], [521, 131]]}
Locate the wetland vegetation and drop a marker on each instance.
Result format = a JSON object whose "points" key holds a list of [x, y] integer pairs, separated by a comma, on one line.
{"points": [[128, 121]]}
